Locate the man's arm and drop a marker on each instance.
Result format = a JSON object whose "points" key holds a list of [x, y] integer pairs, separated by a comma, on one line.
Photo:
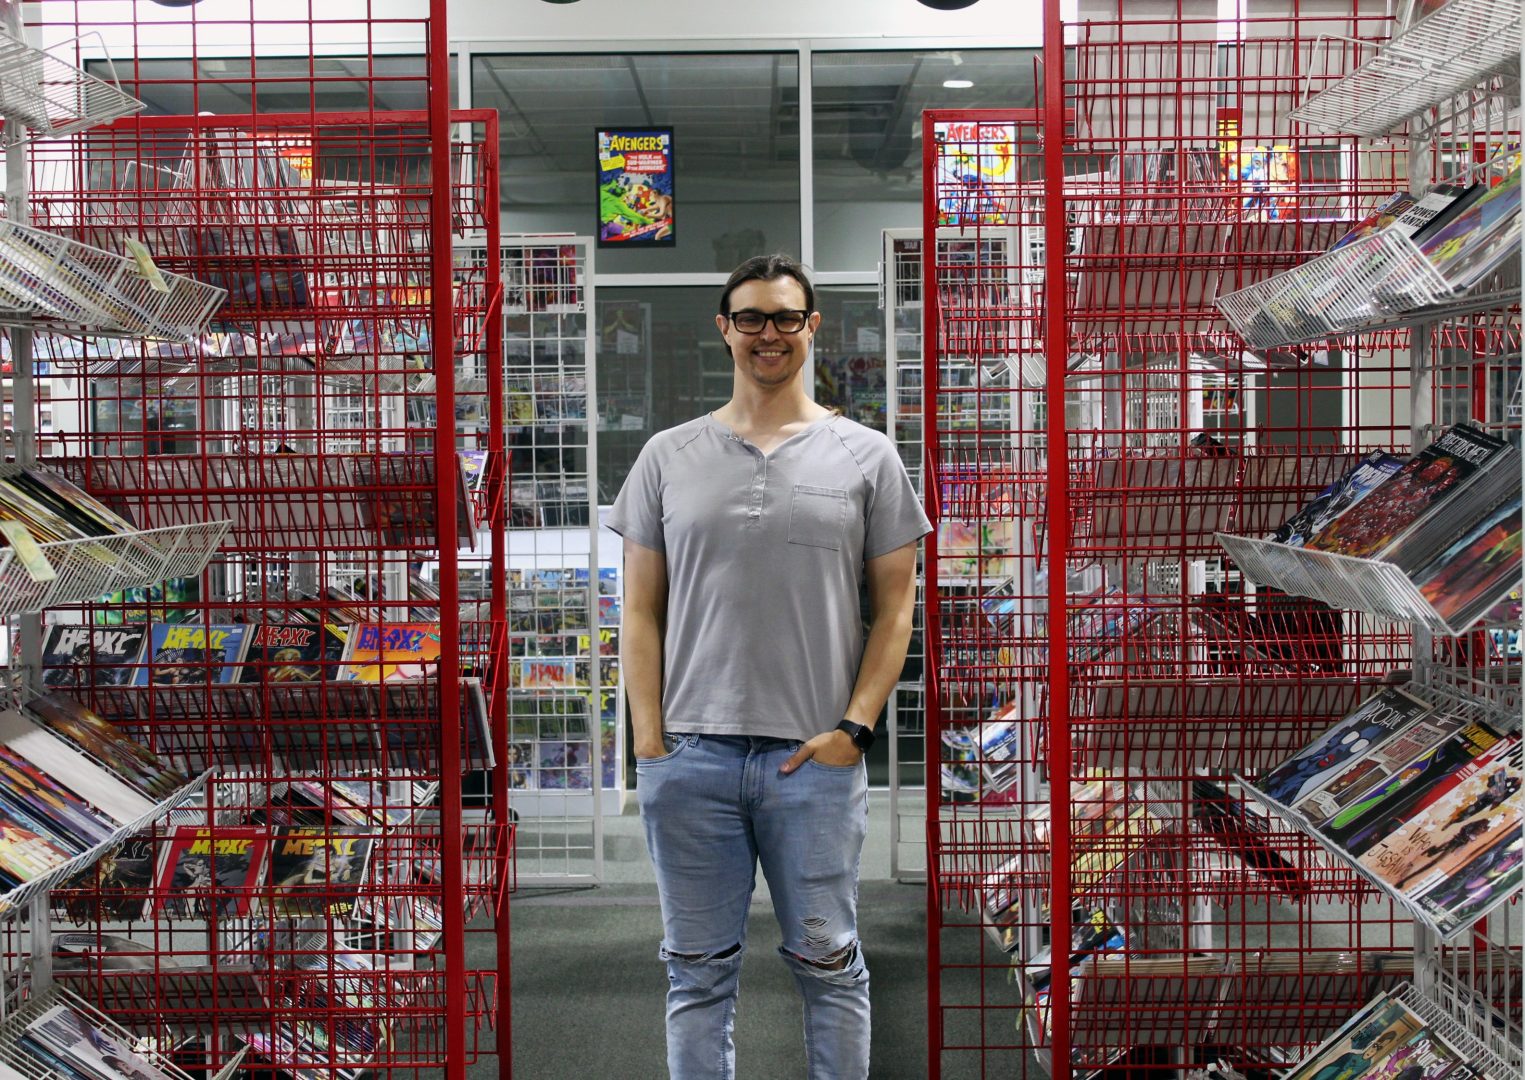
{"points": [[892, 602], [641, 631]]}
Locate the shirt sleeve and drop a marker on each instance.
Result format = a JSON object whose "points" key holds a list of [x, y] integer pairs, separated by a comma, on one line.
{"points": [[895, 516], [637, 513]]}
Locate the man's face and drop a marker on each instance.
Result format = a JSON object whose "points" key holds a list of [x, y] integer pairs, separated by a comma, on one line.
{"points": [[768, 358]]}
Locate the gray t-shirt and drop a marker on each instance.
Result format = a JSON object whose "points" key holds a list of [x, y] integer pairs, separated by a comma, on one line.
{"points": [[765, 556]]}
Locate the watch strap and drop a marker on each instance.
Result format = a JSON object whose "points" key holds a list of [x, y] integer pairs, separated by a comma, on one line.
{"points": [[862, 736]]}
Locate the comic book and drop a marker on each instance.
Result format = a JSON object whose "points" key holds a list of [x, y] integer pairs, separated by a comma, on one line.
{"points": [[196, 861], [91, 655], [1477, 570], [296, 652], [119, 885], [1390, 209], [1338, 497], [59, 813], [1429, 480], [314, 870], [1444, 836], [130, 760], [27, 852], [1362, 1042], [1437, 207], [1366, 820], [71, 1043], [1378, 719], [382, 652], [1359, 776], [1478, 238], [1460, 899], [190, 653]]}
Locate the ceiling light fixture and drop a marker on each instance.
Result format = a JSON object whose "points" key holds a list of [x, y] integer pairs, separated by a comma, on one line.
{"points": [[948, 5], [957, 84]]}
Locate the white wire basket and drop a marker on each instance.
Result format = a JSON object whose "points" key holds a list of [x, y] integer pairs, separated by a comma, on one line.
{"points": [[1341, 581], [1372, 281], [52, 98], [49, 279], [1444, 53], [91, 568]]}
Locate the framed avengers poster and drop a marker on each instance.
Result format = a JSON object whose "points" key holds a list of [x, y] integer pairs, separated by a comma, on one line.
{"points": [[636, 188]]}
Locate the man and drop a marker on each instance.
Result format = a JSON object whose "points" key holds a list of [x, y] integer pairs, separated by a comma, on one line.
{"points": [[752, 692]]}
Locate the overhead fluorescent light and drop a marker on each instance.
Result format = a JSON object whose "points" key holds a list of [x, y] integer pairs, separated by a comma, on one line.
{"points": [[957, 84]]}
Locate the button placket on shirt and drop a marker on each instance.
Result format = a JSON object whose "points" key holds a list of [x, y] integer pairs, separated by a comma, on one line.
{"points": [[759, 485]]}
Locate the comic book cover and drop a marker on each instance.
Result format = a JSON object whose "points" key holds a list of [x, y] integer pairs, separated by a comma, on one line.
{"points": [[1364, 821], [296, 652], [27, 852], [1350, 783], [119, 885], [60, 813], [317, 870], [70, 1042], [1363, 1043], [1472, 242], [130, 760], [190, 653], [196, 861], [1431, 478], [1378, 719], [1477, 569], [1460, 899], [1384, 215], [91, 655], [1447, 834], [1338, 497], [383, 652]]}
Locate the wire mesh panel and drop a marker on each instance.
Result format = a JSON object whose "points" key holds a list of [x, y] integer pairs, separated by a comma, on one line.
{"points": [[1099, 671], [341, 419]]}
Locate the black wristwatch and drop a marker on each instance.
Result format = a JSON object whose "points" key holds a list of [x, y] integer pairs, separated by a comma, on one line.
{"points": [[862, 737]]}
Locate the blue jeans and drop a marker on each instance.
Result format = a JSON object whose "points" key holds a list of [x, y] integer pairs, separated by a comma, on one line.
{"points": [[714, 807]]}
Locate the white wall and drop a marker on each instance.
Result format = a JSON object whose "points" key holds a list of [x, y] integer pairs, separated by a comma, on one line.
{"points": [[668, 21]]}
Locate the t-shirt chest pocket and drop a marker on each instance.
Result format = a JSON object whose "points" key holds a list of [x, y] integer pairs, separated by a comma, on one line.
{"points": [[818, 516]]}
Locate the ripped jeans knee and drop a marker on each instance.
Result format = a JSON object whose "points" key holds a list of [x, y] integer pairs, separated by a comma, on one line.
{"points": [[842, 966], [700, 973]]}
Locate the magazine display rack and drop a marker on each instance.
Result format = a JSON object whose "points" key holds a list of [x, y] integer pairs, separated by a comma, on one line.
{"points": [[1119, 672], [306, 913]]}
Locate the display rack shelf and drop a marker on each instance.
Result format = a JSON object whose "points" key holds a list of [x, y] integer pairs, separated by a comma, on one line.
{"points": [[49, 279], [1341, 581], [1445, 53], [51, 97], [1381, 282], [16, 899], [90, 568]]}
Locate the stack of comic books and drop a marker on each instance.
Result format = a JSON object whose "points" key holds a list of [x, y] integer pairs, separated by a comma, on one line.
{"points": [[39, 507], [74, 655], [317, 870], [74, 1047], [1423, 800], [45, 819], [1391, 1038]]}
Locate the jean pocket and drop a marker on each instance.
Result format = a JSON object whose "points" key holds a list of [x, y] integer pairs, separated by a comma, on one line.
{"points": [[682, 742], [817, 516], [835, 768]]}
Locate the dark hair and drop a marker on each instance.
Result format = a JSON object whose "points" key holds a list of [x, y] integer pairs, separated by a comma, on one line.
{"points": [[767, 268]]}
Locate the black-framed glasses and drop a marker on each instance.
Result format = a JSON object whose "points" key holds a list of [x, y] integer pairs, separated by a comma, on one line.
{"points": [[788, 321]]}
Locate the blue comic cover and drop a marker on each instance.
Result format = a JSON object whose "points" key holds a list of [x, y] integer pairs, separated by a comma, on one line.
{"points": [[190, 653], [1379, 718]]}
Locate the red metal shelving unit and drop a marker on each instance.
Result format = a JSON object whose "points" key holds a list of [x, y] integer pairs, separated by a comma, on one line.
{"points": [[317, 415], [1084, 446]]}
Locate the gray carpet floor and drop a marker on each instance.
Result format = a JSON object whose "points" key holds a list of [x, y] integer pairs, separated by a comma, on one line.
{"points": [[588, 988]]}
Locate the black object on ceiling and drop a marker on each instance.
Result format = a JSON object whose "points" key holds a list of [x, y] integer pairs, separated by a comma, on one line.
{"points": [[949, 5]]}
